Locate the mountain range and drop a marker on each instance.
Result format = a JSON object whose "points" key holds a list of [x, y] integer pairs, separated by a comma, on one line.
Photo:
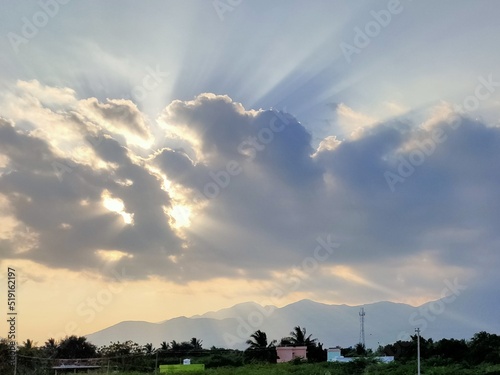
{"points": [[454, 316]]}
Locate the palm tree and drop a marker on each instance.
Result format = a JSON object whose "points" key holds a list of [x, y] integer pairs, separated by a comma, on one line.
{"points": [[148, 348], [259, 341], [28, 348], [260, 349], [175, 346], [51, 343], [164, 346], [195, 343], [298, 337], [28, 344], [50, 347]]}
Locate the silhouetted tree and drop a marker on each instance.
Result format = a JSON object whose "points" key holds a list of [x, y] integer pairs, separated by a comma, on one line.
{"points": [[258, 340], [259, 348], [299, 337], [175, 346], [76, 347], [455, 350], [316, 353], [49, 349], [148, 348], [196, 344], [484, 347], [360, 349], [5, 357], [121, 349]]}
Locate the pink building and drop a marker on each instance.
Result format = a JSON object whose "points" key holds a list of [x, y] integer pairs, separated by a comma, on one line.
{"points": [[289, 353]]}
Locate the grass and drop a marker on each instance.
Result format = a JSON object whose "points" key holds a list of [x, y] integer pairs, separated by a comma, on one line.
{"points": [[325, 368]]}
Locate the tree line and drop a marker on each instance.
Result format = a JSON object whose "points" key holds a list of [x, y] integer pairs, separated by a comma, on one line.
{"points": [[483, 347]]}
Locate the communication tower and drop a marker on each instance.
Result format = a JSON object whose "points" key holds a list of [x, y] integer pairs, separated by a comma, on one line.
{"points": [[362, 326]]}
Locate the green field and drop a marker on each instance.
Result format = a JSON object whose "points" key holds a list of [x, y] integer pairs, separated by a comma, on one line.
{"points": [[428, 368]]}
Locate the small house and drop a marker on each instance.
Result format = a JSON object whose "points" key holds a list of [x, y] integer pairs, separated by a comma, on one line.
{"points": [[289, 353]]}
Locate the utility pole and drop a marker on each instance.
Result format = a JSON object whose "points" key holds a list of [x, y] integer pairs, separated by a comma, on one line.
{"points": [[418, 350]]}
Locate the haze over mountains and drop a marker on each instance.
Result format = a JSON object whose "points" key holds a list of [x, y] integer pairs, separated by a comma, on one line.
{"points": [[456, 316]]}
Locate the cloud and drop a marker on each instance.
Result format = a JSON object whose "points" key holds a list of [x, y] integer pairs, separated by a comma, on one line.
{"points": [[352, 122], [275, 195], [117, 115]]}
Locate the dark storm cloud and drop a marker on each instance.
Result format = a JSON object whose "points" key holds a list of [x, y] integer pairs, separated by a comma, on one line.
{"points": [[66, 213], [268, 216]]}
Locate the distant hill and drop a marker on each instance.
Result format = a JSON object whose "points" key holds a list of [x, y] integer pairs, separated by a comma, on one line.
{"points": [[385, 322]]}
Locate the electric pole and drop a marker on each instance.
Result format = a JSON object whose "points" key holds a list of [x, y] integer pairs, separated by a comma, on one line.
{"points": [[418, 350]]}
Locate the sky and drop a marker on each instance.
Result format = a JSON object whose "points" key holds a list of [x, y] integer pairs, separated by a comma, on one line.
{"points": [[178, 157]]}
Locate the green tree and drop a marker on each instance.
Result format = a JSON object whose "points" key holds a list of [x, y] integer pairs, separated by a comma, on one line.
{"points": [[175, 346], [484, 347], [121, 349], [196, 344], [299, 337], [5, 357], [76, 347], [149, 349], [28, 349], [259, 348], [49, 349], [258, 340], [455, 350], [27, 354], [126, 355], [360, 349]]}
